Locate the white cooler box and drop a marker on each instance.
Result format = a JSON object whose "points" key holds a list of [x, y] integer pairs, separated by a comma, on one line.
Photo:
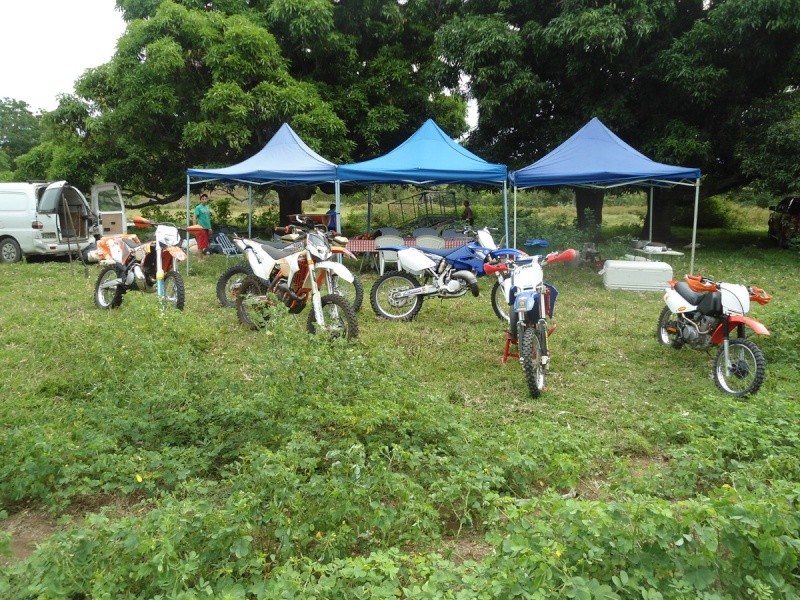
{"points": [[636, 275]]}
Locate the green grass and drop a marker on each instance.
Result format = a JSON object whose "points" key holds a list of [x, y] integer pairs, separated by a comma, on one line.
{"points": [[185, 456]]}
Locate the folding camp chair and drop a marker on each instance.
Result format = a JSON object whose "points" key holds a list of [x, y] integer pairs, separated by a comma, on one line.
{"points": [[226, 246]]}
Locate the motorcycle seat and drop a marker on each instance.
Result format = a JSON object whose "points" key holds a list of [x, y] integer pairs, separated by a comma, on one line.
{"points": [[278, 253], [436, 251], [708, 303]]}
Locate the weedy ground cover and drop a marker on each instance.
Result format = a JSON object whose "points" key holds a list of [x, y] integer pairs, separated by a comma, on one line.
{"points": [[220, 462]]}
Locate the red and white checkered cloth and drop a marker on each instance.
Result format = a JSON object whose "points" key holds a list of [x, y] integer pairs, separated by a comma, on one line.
{"points": [[361, 246]]}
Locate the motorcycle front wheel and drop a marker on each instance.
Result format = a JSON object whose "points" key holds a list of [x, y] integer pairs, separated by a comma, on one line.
{"points": [[230, 282], [174, 289], [530, 353], [667, 332], [253, 303], [352, 292], [106, 296], [340, 318], [499, 304], [387, 305], [747, 371]]}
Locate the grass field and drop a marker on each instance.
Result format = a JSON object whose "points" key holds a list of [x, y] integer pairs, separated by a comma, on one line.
{"points": [[179, 455]]}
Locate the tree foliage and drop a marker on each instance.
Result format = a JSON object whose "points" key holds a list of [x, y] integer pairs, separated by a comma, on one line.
{"points": [[701, 83], [676, 79], [19, 131]]}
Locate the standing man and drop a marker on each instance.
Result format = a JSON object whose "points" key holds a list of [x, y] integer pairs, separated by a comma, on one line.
{"points": [[202, 217], [468, 215], [330, 218]]}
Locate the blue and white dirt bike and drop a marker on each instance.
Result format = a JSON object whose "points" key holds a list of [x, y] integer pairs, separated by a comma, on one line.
{"points": [[446, 273], [531, 302]]}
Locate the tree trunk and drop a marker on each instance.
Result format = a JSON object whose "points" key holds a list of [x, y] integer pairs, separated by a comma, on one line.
{"points": [[589, 205], [290, 201], [664, 200]]}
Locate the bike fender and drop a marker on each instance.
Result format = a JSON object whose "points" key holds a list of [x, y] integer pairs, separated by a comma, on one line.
{"points": [[525, 300], [176, 253], [500, 252], [734, 320], [337, 269]]}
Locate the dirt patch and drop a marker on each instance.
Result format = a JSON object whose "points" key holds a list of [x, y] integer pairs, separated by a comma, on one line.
{"points": [[28, 528], [466, 547]]}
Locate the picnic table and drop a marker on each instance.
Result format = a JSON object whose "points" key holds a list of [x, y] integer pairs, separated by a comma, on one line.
{"points": [[366, 246]]}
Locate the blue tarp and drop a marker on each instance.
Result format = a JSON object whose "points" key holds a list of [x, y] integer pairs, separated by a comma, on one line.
{"points": [[595, 156], [284, 160], [429, 156]]}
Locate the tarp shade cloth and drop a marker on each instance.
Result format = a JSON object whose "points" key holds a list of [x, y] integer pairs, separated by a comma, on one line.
{"points": [[284, 160], [429, 156], [594, 155]]}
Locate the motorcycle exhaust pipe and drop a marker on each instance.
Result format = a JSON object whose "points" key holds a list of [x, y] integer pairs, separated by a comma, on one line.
{"points": [[469, 278], [287, 291]]}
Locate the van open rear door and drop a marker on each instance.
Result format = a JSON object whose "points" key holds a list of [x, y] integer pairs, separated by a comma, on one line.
{"points": [[65, 214], [107, 204]]}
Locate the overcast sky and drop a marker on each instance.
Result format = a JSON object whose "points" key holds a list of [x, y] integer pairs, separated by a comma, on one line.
{"points": [[45, 45]]}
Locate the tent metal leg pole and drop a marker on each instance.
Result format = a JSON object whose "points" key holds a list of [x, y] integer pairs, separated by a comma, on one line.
{"points": [[694, 224], [250, 211], [188, 219], [515, 219], [369, 208], [650, 238], [337, 192], [505, 207]]}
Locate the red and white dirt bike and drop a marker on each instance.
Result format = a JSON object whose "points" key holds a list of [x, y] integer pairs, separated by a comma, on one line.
{"points": [[295, 278], [130, 265], [701, 313]]}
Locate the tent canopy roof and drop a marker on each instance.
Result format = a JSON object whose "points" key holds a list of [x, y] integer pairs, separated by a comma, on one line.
{"points": [[284, 160], [596, 156], [428, 156]]}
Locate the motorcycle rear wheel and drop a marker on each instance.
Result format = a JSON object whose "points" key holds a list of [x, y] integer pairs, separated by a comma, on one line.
{"points": [[352, 292], [499, 304], [340, 318], [174, 289], [108, 297], [668, 333], [229, 283], [387, 307], [748, 368], [530, 353], [253, 303]]}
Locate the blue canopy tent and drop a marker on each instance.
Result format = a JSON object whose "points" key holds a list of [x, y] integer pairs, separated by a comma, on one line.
{"points": [[284, 160], [428, 156], [596, 157]]}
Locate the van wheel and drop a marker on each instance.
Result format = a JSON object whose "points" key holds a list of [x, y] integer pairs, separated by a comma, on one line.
{"points": [[10, 252]]}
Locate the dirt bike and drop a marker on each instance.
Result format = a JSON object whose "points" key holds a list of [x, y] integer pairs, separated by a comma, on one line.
{"points": [[230, 280], [130, 265], [446, 273], [531, 304], [701, 313], [294, 279]]}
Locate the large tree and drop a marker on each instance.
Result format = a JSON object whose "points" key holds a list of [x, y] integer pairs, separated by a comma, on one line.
{"points": [[677, 79], [207, 83], [19, 131]]}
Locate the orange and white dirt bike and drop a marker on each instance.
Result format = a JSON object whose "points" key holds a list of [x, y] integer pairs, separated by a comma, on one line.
{"points": [[296, 277], [701, 313], [130, 265]]}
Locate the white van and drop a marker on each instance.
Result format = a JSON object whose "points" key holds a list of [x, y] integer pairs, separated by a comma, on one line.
{"points": [[40, 219]]}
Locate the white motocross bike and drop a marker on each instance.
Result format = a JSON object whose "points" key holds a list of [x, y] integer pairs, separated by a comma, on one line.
{"points": [[531, 302], [294, 278]]}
